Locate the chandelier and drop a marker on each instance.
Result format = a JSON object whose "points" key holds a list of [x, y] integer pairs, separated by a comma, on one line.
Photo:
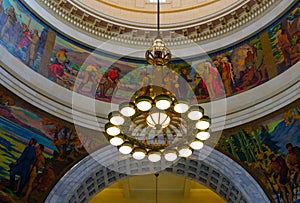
{"points": [[156, 124], [158, 54]]}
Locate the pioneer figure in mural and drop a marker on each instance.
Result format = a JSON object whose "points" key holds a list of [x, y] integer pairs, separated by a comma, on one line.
{"points": [[56, 70], [112, 79], [227, 75], [184, 83], [22, 167], [101, 89], [10, 21], [285, 47], [33, 48], [293, 161], [90, 75], [39, 164], [280, 172]]}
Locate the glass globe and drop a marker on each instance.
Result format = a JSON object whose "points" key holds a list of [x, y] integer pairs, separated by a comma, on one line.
{"points": [[154, 156]]}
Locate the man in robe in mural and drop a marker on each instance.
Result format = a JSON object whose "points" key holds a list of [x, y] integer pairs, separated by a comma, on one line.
{"points": [[295, 55], [184, 81], [285, 47], [32, 51], [1, 12], [279, 170], [39, 164], [22, 166], [226, 75], [210, 76], [11, 19], [293, 161]]}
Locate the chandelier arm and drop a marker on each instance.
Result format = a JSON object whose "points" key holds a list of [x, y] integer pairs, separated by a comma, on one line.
{"points": [[153, 118], [147, 135], [140, 130], [165, 119], [173, 133]]}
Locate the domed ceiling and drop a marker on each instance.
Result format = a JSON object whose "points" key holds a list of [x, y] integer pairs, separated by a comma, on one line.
{"points": [[182, 22], [173, 12], [228, 30]]}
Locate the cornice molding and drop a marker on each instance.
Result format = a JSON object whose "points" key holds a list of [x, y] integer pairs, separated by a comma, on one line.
{"points": [[212, 34]]}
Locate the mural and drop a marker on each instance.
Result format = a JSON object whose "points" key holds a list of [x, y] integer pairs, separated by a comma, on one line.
{"points": [[21, 34], [96, 74], [285, 40], [262, 149], [271, 150], [62, 148]]}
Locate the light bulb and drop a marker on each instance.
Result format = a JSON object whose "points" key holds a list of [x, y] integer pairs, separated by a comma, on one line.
{"points": [[196, 144], [181, 107], [202, 135], [170, 155], [125, 148], [139, 154], [185, 151], [154, 156], [116, 141]]}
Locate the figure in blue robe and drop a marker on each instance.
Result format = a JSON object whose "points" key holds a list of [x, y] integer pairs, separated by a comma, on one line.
{"points": [[23, 166]]}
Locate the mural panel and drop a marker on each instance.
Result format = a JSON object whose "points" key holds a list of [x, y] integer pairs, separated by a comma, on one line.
{"points": [[70, 64], [271, 150], [285, 40], [62, 148]]}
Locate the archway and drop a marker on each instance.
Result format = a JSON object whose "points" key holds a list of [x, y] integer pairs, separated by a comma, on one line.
{"points": [[218, 172]]}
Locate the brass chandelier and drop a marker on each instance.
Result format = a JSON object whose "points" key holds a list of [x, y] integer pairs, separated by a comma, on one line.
{"points": [[157, 124]]}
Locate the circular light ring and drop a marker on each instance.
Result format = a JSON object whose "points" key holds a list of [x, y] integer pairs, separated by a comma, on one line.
{"points": [[203, 123], [181, 106], [184, 151], [126, 148], [163, 101], [196, 144], [116, 140], [139, 153], [170, 155], [127, 109], [203, 135], [116, 118], [144, 103], [112, 129], [195, 113], [154, 156]]}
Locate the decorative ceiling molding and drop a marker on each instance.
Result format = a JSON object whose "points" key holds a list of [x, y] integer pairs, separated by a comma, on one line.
{"points": [[101, 26], [87, 28]]}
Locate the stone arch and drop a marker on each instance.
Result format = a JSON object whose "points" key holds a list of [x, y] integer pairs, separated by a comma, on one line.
{"points": [[208, 167]]}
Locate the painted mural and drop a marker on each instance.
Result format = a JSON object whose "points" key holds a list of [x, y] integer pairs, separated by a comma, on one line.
{"points": [[62, 148], [285, 40], [271, 150], [253, 147], [97, 74], [21, 33]]}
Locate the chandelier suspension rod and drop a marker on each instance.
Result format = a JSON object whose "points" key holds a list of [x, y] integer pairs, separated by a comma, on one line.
{"points": [[158, 11], [156, 183]]}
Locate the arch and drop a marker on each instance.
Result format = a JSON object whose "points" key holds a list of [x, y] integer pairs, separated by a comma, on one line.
{"points": [[208, 167]]}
